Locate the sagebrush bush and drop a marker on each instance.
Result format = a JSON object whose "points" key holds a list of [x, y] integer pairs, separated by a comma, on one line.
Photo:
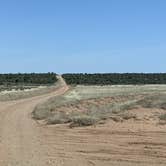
{"points": [[58, 118], [163, 117], [156, 101], [41, 113], [83, 120]]}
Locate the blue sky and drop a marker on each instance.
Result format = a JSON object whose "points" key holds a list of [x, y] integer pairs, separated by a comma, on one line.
{"points": [[82, 36]]}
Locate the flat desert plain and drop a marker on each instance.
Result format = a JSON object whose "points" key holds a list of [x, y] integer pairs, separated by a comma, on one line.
{"points": [[119, 140]]}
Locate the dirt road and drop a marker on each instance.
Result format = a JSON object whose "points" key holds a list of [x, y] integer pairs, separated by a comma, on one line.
{"points": [[24, 142], [21, 136]]}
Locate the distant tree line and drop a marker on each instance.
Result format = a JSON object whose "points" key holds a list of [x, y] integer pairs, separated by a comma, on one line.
{"points": [[115, 78], [28, 79]]}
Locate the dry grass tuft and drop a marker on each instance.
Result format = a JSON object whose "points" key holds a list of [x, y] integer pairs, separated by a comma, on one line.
{"points": [[83, 120], [154, 101]]}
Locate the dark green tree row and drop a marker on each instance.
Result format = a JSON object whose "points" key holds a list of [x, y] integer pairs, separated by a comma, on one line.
{"points": [[28, 79], [115, 78]]}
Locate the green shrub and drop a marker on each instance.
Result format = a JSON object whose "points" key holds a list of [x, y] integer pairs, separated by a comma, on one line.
{"points": [[163, 117]]}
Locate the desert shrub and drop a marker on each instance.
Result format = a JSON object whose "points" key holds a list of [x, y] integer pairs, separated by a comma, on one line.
{"points": [[41, 112], [127, 116], [156, 101], [58, 118], [116, 118], [162, 117], [128, 105], [83, 120], [163, 105], [120, 107], [93, 113]]}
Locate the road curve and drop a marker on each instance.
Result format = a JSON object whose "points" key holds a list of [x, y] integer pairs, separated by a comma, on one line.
{"points": [[20, 136]]}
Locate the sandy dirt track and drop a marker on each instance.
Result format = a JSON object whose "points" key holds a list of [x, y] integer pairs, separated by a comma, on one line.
{"points": [[24, 142], [21, 136]]}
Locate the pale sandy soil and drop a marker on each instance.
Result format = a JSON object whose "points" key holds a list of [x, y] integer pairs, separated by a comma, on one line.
{"points": [[25, 142], [139, 142], [25, 90]]}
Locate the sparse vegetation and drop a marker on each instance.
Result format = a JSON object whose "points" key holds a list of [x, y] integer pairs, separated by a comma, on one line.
{"points": [[26, 93], [19, 87], [162, 117], [90, 105], [58, 118], [127, 116], [15, 92], [64, 109], [154, 101], [83, 120]]}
